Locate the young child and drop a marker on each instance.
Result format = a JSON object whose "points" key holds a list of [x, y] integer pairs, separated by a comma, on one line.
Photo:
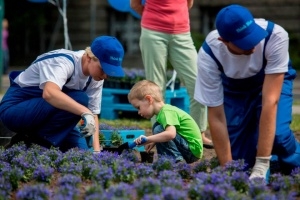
{"points": [[175, 133]]}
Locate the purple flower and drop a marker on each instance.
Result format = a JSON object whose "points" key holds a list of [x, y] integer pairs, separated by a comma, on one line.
{"points": [[124, 171], [185, 170], [71, 168], [5, 188], [235, 165], [122, 191], [130, 156], [13, 152], [168, 174], [94, 192], [89, 169], [15, 175], [240, 181], [145, 186], [43, 173], [257, 186], [144, 170], [69, 179], [67, 192], [152, 197], [174, 194], [104, 177], [202, 166], [37, 192], [164, 163], [207, 191], [279, 182], [295, 171]]}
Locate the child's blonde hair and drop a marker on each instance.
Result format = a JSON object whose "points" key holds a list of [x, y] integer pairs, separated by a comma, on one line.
{"points": [[90, 54], [143, 88]]}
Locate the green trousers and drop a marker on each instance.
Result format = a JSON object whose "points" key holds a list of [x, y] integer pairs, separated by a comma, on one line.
{"points": [[157, 48]]}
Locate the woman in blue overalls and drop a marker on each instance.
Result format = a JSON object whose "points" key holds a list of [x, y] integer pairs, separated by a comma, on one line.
{"points": [[246, 81], [45, 102]]}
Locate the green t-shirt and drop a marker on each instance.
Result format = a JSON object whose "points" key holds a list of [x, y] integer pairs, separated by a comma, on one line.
{"points": [[185, 126]]}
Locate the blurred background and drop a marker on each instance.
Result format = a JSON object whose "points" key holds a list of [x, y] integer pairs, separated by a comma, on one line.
{"points": [[37, 26]]}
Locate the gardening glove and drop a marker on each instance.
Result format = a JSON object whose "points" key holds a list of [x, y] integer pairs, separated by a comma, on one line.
{"points": [[96, 152], [261, 168], [88, 127]]}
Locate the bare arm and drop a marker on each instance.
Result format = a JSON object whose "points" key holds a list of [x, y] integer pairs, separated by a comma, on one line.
{"points": [[54, 96], [165, 136], [267, 124], [190, 3], [96, 142], [137, 6], [219, 133]]}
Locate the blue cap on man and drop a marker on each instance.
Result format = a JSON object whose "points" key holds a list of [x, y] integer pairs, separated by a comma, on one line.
{"points": [[236, 24], [110, 53]]}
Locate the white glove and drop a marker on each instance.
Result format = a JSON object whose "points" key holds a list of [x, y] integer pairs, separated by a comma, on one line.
{"points": [[261, 168], [96, 152], [88, 127]]}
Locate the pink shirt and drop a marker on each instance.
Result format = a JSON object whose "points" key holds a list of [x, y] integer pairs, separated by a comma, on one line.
{"points": [[168, 16]]}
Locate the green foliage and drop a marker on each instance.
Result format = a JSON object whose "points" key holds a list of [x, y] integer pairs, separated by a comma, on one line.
{"points": [[295, 125], [294, 50], [198, 39], [116, 138], [101, 139], [143, 124]]}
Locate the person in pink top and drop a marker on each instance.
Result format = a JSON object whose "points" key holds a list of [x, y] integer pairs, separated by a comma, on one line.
{"points": [[5, 50], [165, 35]]}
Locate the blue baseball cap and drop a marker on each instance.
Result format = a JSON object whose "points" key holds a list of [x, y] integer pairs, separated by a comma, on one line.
{"points": [[236, 24], [110, 53]]}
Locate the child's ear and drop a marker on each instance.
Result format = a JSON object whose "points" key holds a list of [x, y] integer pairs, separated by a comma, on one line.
{"points": [[149, 98]]}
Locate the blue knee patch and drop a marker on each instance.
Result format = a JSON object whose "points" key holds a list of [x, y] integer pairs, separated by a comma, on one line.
{"points": [[294, 158]]}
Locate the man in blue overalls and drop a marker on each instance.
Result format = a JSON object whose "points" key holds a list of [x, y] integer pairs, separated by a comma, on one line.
{"points": [[246, 80], [45, 102]]}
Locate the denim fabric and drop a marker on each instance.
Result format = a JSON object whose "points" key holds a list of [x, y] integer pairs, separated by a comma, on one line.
{"points": [[23, 110], [177, 148]]}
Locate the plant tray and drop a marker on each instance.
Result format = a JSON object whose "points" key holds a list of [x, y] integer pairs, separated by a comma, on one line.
{"points": [[127, 136]]}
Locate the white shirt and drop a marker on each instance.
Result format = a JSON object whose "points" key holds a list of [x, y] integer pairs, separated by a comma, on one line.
{"points": [[58, 70], [209, 88]]}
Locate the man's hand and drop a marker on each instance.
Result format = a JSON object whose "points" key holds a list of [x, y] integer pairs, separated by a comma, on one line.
{"points": [[261, 168], [88, 127]]}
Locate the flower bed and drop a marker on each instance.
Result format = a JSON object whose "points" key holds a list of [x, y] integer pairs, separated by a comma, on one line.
{"points": [[39, 173]]}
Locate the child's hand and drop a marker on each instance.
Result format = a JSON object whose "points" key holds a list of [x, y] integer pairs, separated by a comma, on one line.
{"points": [[141, 140], [149, 146]]}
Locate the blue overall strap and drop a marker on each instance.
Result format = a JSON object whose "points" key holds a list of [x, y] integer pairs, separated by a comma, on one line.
{"points": [[269, 30], [87, 83], [207, 49], [57, 55]]}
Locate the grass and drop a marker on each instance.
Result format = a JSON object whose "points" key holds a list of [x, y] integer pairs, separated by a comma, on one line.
{"points": [[295, 125], [146, 124], [142, 123]]}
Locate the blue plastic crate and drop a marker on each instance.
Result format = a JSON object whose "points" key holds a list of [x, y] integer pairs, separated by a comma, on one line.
{"points": [[127, 136], [115, 100]]}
